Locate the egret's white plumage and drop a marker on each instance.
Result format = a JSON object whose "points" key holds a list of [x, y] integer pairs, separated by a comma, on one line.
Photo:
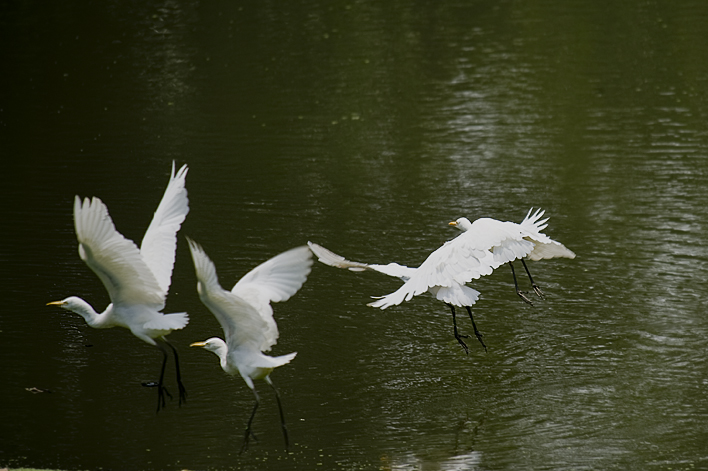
{"points": [[483, 246], [445, 271], [543, 247], [246, 315], [137, 279]]}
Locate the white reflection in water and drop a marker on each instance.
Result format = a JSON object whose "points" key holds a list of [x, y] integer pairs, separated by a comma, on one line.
{"points": [[465, 462]]}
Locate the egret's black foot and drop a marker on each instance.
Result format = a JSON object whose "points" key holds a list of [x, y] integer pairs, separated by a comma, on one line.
{"points": [[523, 296], [462, 342], [479, 337], [161, 393], [182, 394], [246, 438], [537, 290]]}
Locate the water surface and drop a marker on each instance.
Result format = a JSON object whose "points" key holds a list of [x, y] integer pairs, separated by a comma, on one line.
{"points": [[366, 128]]}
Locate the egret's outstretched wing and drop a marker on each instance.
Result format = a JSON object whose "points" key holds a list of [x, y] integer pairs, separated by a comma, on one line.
{"points": [[545, 247], [486, 245], [115, 259], [242, 323], [274, 280], [278, 278], [333, 260], [160, 241]]}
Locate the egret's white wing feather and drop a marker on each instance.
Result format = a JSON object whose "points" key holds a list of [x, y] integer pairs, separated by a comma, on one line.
{"points": [[160, 241], [545, 246], [333, 260], [280, 277], [457, 295], [168, 322], [116, 260], [274, 280], [552, 250], [243, 325]]}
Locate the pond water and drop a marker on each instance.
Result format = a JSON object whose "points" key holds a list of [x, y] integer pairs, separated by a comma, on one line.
{"points": [[365, 127]]}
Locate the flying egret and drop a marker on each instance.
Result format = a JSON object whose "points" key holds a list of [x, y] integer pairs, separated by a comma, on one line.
{"points": [[246, 316], [544, 247], [137, 279], [456, 294], [483, 246]]}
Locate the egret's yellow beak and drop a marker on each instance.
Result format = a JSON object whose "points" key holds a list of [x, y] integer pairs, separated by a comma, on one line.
{"points": [[55, 303], [198, 344], [453, 223]]}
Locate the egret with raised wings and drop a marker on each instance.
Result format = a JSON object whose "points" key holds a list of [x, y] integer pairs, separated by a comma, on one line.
{"points": [[246, 316], [137, 279], [544, 247], [484, 245], [446, 270]]}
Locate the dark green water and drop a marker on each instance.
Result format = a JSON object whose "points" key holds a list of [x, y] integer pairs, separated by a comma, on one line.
{"points": [[365, 127]]}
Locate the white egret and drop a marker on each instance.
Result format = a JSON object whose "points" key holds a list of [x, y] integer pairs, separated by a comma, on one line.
{"points": [[137, 279], [246, 316], [544, 247], [456, 294], [445, 272]]}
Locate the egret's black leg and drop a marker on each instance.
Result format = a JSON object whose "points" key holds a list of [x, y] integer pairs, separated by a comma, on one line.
{"points": [[249, 433], [521, 294], [476, 332], [457, 335], [282, 416], [161, 390], [182, 390], [535, 287]]}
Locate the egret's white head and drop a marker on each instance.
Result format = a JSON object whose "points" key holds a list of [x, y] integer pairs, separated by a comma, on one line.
{"points": [[462, 224], [213, 344], [72, 303]]}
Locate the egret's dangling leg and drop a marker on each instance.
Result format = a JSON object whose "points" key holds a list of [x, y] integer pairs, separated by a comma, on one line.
{"points": [[535, 287], [161, 389], [521, 294], [282, 416], [457, 334], [476, 332], [249, 433], [182, 390]]}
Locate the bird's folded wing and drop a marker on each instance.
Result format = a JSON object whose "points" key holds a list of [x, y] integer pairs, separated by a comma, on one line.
{"points": [[115, 259], [160, 241], [332, 259], [242, 323], [471, 255]]}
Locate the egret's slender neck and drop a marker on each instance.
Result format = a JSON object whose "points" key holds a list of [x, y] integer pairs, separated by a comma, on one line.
{"points": [[94, 319], [220, 349]]}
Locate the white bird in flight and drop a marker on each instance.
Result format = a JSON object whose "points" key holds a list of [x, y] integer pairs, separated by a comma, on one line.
{"points": [[137, 279], [544, 247], [483, 246], [246, 316]]}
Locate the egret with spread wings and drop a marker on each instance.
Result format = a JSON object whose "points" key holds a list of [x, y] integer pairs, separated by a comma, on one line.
{"points": [[446, 270], [246, 317], [137, 279]]}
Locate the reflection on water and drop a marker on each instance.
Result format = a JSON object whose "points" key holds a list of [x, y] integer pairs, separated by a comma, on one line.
{"points": [[366, 127]]}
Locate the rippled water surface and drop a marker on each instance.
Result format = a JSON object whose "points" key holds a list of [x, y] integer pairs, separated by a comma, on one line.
{"points": [[365, 127]]}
